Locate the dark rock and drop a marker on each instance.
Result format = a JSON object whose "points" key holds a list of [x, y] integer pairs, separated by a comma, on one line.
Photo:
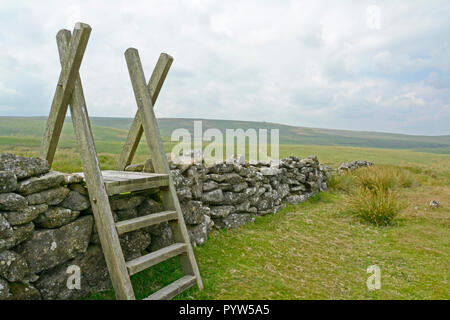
{"points": [[8, 181], [76, 202], [162, 239], [123, 202], [12, 201], [149, 206], [48, 248], [23, 167], [56, 217], [26, 214], [46, 181], [134, 243], [221, 168], [127, 214], [52, 197]]}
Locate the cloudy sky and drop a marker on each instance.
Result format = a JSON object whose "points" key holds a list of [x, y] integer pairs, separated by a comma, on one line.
{"points": [[358, 65]]}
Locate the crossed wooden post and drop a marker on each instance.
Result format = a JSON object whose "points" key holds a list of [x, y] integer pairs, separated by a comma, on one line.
{"points": [[100, 184], [134, 135]]}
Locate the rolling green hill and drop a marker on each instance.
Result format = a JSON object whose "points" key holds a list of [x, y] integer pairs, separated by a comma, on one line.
{"points": [[28, 131]]}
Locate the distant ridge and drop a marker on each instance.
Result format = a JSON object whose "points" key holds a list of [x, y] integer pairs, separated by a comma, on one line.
{"points": [[115, 129]]}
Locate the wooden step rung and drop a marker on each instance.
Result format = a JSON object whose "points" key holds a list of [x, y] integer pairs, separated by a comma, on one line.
{"points": [[176, 287], [146, 261], [145, 221]]}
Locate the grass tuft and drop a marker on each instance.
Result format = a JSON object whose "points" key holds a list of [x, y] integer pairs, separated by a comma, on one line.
{"points": [[376, 205]]}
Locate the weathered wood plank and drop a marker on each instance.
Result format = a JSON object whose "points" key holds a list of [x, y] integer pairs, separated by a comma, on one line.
{"points": [[71, 61], [144, 221], [170, 291], [134, 135], [150, 259], [97, 193], [137, 186], [159, 160]]}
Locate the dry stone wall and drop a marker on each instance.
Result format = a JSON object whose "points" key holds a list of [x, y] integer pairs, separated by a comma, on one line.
{"points": [[46, 223]]}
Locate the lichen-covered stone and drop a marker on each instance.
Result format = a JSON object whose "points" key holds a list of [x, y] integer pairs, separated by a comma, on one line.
{"points": [[149, 206], [94, 276], [13, 266], [23, 167], [8, 181], [4, 289], [230, 198], [193, 212], [48, 248], [123, 202], [22, 233], [5, 228], [23, 291], [134, 243], [233, 220], [213, 197], [198, 234], [75, 201], [221, 211], [56, 217], [12, 201], [52, 197], [162, 238], [46, 181], [295, 199], [19, 234], [26, 214], [210, 185]]}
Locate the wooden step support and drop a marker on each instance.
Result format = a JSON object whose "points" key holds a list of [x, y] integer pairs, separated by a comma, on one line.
{"points": [[146, 261], [145, 221], [102, 184], [173, 289]]}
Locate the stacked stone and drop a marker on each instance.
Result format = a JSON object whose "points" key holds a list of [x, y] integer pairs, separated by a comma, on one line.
{"points": [[230, 194], [350, 166], [46, 223]]}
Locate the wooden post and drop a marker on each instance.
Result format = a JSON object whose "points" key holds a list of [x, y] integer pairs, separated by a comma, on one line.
{"points": [[97, 193], [134, 135], [66, 83], [159, 160]]}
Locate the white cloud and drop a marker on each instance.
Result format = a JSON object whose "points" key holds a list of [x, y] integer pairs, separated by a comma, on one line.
{"points": [[303, 63]]}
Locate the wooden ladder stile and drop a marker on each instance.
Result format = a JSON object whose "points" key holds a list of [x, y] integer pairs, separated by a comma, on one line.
{"points": [[102, 184]]}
